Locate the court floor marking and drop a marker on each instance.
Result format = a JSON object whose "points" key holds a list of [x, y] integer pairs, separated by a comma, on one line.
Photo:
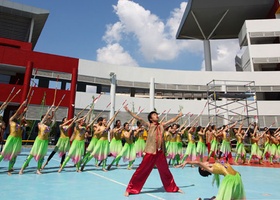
{"points": [[113, 181]]}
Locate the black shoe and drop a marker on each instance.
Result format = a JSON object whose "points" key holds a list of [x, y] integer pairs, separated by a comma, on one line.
{"points": [[82, 168], [109, 167]]}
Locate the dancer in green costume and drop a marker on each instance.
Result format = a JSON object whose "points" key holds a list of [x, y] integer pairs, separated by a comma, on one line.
{"points": [[102, 148], [128, 151], [40, 146], [77, 148], [231, 187], [63, 144], [14, 141]]}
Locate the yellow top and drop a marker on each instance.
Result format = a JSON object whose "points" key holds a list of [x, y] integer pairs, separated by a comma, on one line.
{"points": [[173, 137], [200, 138], [239, 138], [127, 137], [63, 131], [167, 136], [226, 136], [223, 169], [191, 138], [79, 132], [44, 131], [15, 129], [117, 135], [145, 134], [178, 138]]}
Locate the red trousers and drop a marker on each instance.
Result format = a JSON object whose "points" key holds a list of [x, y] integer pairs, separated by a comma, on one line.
{"points": [[141, 174]]}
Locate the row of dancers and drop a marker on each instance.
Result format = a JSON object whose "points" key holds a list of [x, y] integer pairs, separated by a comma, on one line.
{"points": [[100, 147]]}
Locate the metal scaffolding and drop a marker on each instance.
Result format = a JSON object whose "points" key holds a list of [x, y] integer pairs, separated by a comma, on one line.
{"points": [[230, 101]]}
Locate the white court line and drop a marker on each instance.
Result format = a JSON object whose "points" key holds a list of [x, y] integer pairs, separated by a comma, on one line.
{"points": [[114, 181]]}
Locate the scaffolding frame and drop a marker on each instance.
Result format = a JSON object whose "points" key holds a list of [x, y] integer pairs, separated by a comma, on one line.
{"points": [[230, 101]]}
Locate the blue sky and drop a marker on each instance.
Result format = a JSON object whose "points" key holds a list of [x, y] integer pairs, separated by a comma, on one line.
{"points": [[122, 32]]}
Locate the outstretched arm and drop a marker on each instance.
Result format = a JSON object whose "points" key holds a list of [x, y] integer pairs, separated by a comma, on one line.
{"points": [[172, 120], [203, 165], [143, 122], [46, 115], [17, 113], [112, 119]]}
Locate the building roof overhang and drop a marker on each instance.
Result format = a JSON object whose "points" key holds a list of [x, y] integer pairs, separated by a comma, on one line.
{"points": [[21, 22], [220, 19]]}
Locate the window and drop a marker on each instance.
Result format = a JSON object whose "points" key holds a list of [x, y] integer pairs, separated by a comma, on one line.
{"points": [[55, 84], [91, 88]]}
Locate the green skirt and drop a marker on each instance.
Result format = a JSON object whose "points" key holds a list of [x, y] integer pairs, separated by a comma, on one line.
{"points": [[12, 147], [77, 150], [240, 149], [214, 146], [115, 147], [172, 150], [128, 152], [201, 148], [92, 144], [225, 148], [39, 148], [255, 151], [63, 145], [101, 150], [140, 145], [191, 150], [231, 188]]}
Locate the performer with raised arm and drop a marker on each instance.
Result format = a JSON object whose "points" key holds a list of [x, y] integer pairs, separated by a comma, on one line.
{"points": [[201, 147], [14, 142], [102, 148], [40, 146], [128, 151], [172, 149], [140, 142], [240, 149], [267, 144], [231, 186], [116, 142], [191, 148], [63, 144], [94, 139], [226, 147], [255, 149], [209, 137], [77, 148], [154, 155], [274, 149]]}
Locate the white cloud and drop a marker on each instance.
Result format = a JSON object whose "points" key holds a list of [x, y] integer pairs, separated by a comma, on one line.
{"points": [[156, 39], [115, 54], [113, 33]]}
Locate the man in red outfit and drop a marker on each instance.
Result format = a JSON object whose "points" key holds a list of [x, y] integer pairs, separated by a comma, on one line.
{"points": [[154, 155]]}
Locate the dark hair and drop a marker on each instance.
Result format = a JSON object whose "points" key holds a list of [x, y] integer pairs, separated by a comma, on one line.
{"points": [[138, 123], [100, 119], [150, 115], [63, 119], [125, 124], [116, 122], [203, 173]]}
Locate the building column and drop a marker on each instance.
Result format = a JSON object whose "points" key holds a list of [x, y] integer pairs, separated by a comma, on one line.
{"points": [[207, 55], [224, 102], [26, 81], [152, 94], [71, 105], [31, 30], [113, 79]]}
